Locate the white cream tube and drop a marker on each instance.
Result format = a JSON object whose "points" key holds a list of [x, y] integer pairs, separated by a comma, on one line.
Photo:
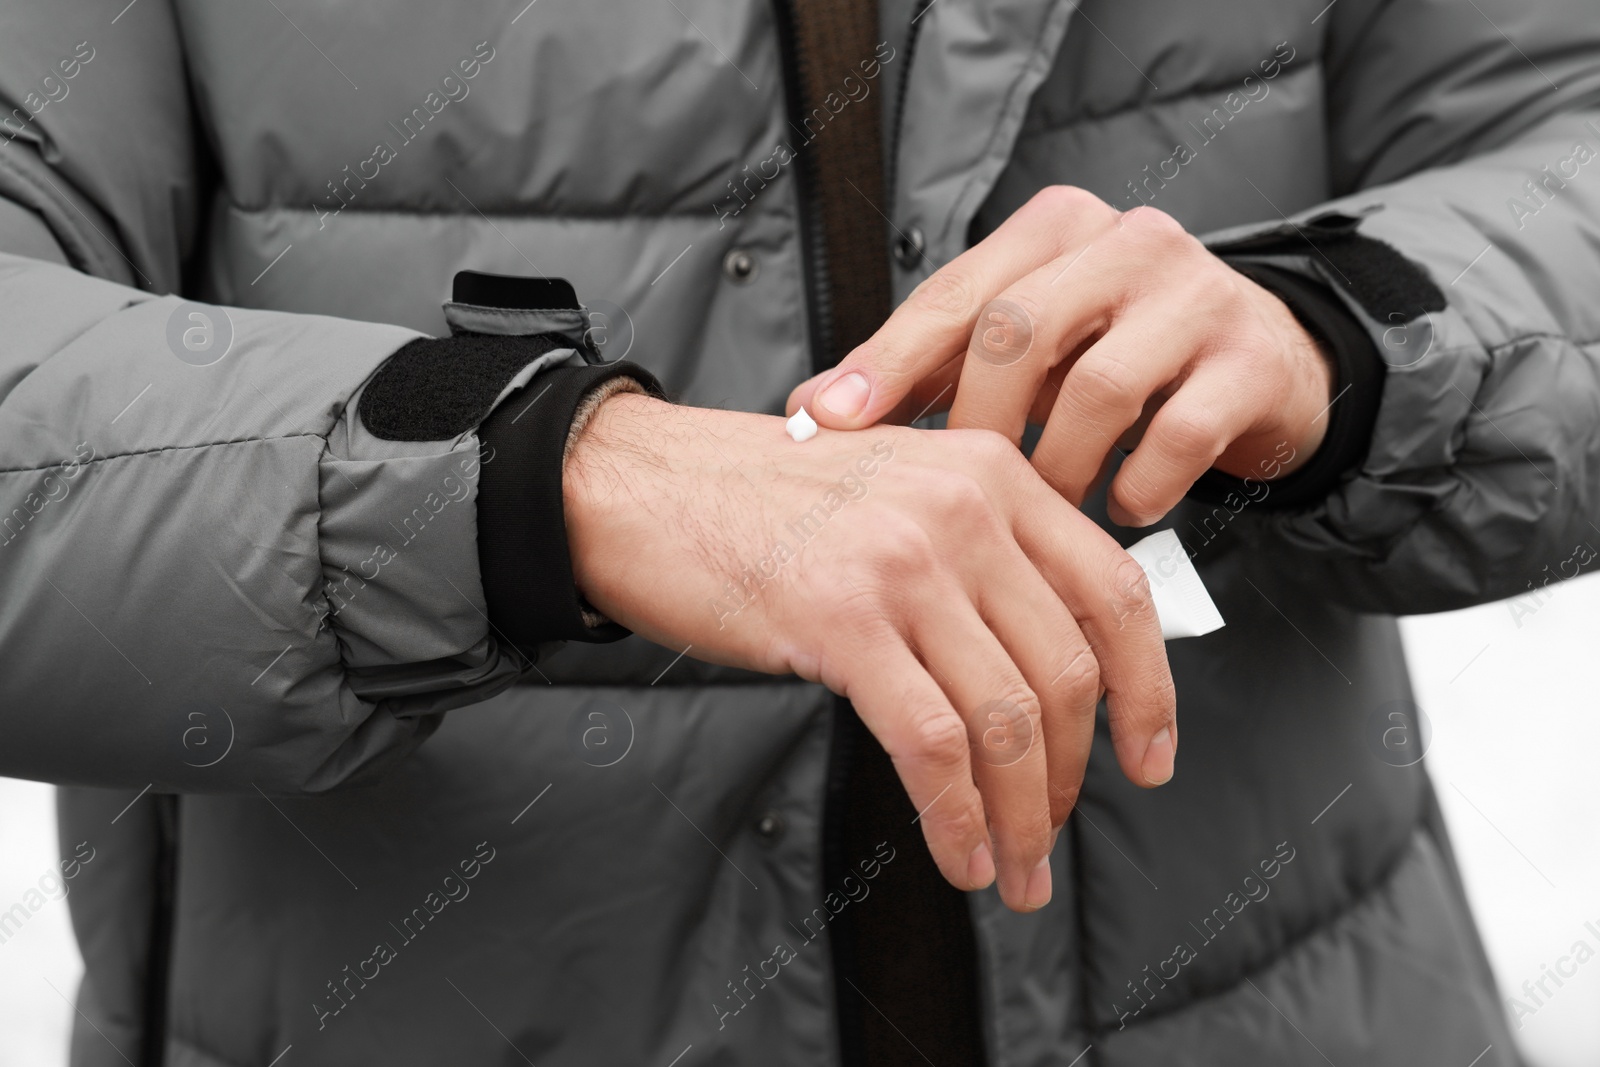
{"points": [[1182, 603]]}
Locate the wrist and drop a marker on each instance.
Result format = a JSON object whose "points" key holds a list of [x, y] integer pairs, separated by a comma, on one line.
{"points": [[1320, 379], [1342, 407], [1316, 374], [1301, 418], [605, 454]]}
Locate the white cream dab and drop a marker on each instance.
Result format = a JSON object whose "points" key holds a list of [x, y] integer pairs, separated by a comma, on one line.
{"points": [[801, 426]]}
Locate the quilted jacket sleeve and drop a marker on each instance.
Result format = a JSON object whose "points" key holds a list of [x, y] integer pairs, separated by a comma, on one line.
{"points": [[213, 576], [1467, 137]]}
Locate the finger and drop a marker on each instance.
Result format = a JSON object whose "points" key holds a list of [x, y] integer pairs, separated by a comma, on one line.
{"points": [[1003, 717], [936, 321], [930, 396], [1109, 596], [927, 740], [1104, 393], [1102, 474], [1182, 442], [1022, 338], [1046, 317], [1045, 642], [1044, 401]]}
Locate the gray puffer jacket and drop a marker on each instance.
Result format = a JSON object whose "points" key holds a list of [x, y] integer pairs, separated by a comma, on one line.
{"points": [[366, 836]]}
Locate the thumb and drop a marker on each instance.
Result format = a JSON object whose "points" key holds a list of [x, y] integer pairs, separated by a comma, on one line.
{"points": [[865, 388]]}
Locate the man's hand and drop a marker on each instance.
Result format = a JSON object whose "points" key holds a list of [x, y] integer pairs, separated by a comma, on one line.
{"points": [[971, 614], [1109, 329]]}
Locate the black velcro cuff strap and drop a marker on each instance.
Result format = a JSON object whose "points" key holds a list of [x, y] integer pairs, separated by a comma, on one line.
{"points": [[523, 554], [438, 388], [1358, 390], [1387, 285]]}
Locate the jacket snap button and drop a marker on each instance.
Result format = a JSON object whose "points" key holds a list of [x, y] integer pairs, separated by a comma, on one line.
{"points": [[739, 266], [769, 827], [908, 247]]}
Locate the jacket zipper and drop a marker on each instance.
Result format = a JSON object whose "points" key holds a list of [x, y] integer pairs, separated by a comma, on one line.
{"points": [[814, 253], [919, 9]]}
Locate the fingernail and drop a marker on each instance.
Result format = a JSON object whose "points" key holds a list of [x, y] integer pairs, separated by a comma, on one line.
{"points": [[1123, 517], [1158, 757], [847, 396], [980, 867], [1040, 887]]}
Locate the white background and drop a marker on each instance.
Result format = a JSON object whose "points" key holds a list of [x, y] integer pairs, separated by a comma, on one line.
{"points": [[1515, 741]]}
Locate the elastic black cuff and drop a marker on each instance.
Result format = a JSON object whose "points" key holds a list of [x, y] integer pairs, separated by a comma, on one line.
{"points": [[1358, 390], [522, 530]]}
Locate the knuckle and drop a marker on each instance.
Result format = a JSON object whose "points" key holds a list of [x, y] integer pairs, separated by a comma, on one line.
{"points": [[963, 493], [947, 292], [1192, 434], [1006, 327], [1064, 209], [1108, 384], [1024, 303], [1067, 199], [1129, 595], [1154, 224], [964, 505], [956, 822], [938, 740], [989, 449], [1079, 684], [902, 546], [1022, 704]]}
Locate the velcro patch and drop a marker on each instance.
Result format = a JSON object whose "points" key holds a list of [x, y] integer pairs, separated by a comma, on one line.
{"points": [[1376, 274], [436, 388]]}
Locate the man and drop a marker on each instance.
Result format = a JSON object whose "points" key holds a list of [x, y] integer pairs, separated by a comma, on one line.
{"points": [[283, 580]]}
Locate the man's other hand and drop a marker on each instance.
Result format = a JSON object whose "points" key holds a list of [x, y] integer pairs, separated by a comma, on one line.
{"points": [[1109, 329], [971, 614]]}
